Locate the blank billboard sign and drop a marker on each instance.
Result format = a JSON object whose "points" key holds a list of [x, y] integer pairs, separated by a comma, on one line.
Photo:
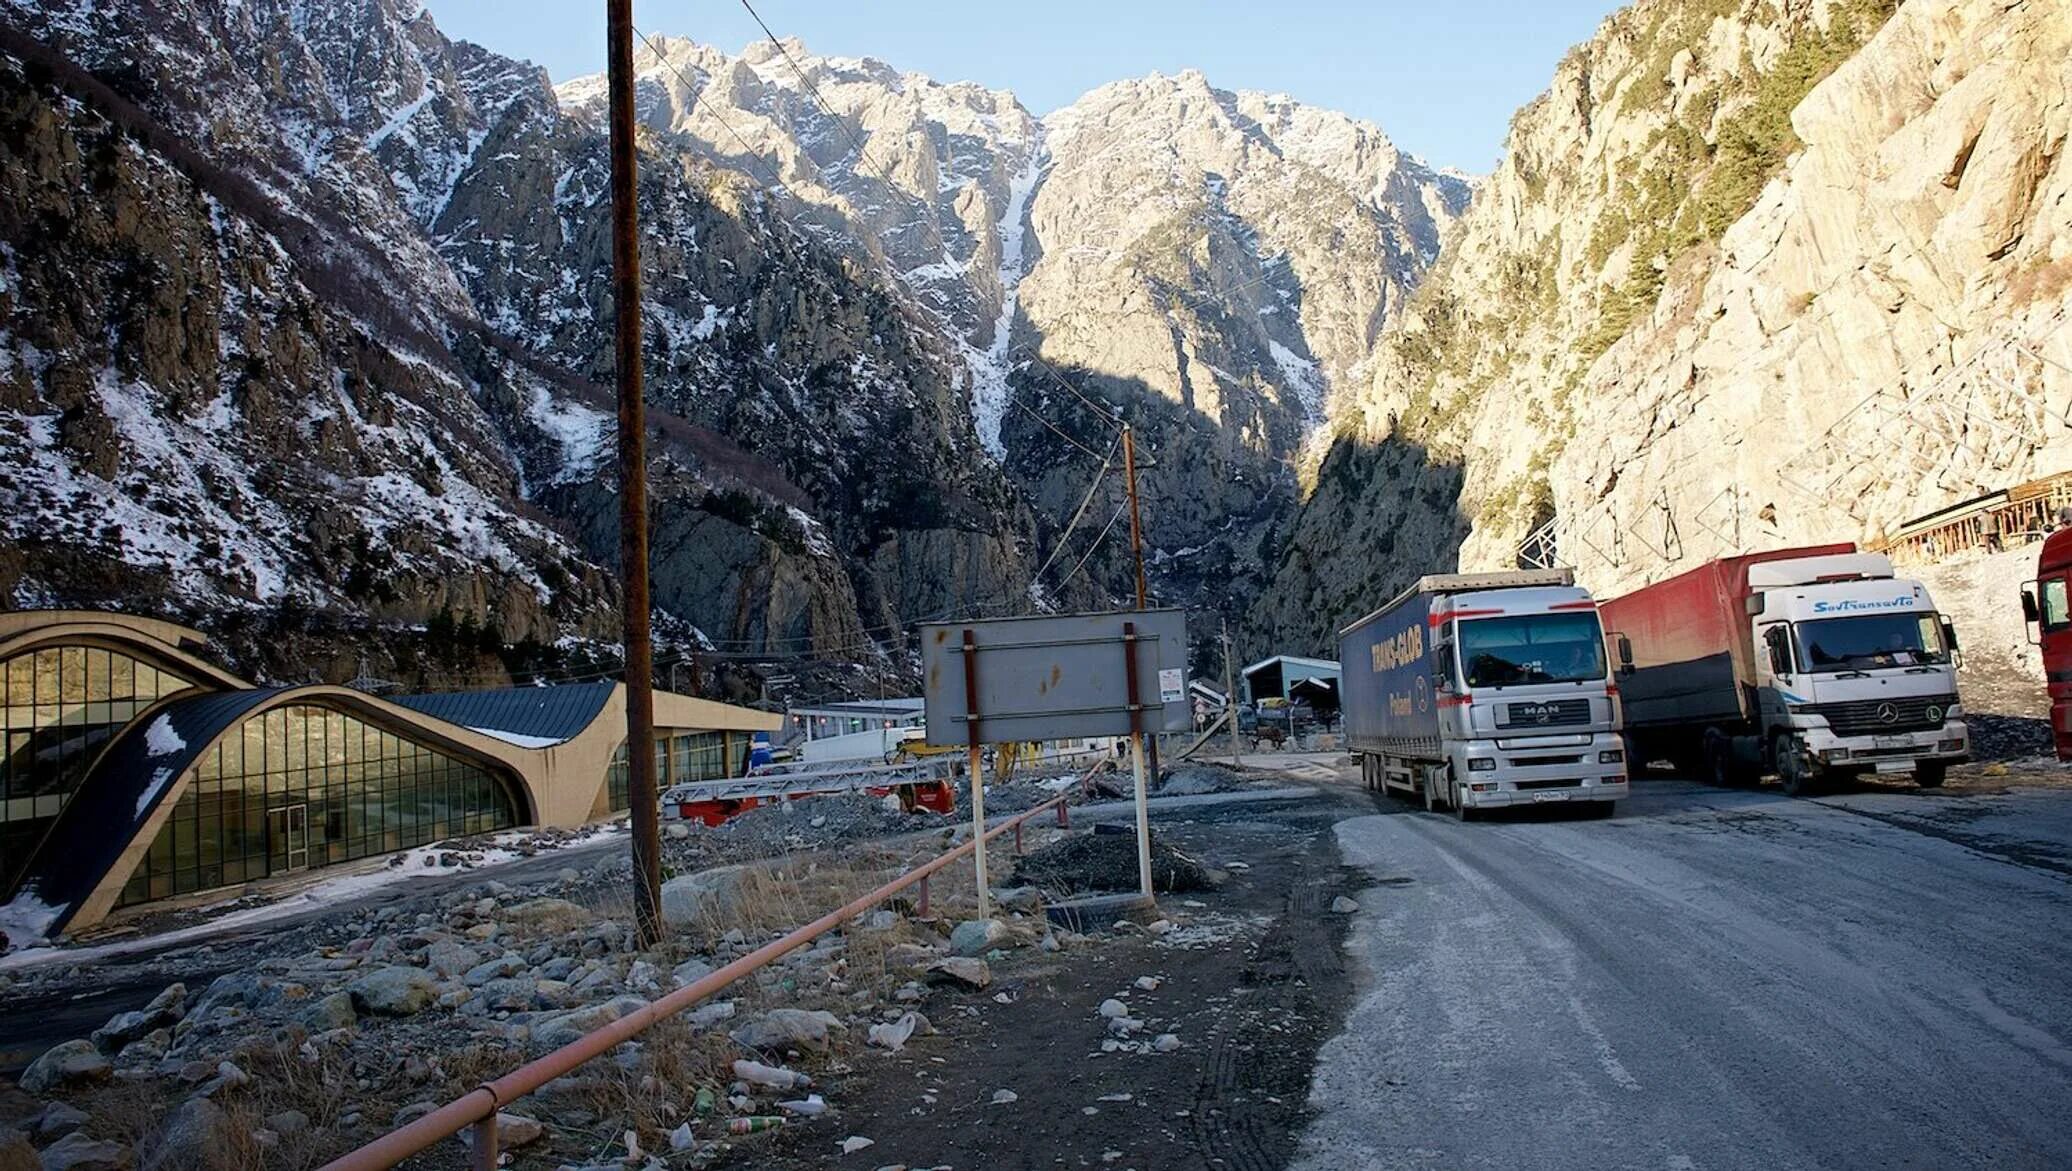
{"points": [[1054, 677]]}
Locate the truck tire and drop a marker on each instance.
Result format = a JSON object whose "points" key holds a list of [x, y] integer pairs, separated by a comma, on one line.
{"points": [[1719, 759], [1461, 809], [1800, 777], [1930, 774]]}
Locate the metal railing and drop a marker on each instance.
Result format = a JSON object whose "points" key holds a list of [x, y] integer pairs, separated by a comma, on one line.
{"points": [[478, 1108]]}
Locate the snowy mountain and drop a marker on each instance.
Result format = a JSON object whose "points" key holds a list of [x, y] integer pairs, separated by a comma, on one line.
{"points": [[305, 302]]}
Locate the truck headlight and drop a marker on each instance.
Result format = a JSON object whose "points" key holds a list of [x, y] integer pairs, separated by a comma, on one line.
{"points": [[1834, 754], [1481, 764], [1949, 746], [1612, 756]]}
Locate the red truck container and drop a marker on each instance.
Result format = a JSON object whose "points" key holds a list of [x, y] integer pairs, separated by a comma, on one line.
{"points": [[2048, 603], [1686, 655]]}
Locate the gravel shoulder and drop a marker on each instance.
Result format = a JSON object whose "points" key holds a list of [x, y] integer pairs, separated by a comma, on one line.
{"points": [[1250, 983]]}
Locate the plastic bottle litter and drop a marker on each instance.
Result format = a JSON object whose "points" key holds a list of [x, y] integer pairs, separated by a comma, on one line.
{"points": [[680, 1139], [810, 1106], [775, 1077], [754, 1123], [894, 1036]]}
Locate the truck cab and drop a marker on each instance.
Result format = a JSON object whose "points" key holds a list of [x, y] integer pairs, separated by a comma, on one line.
{"points": [[1527, 709], [2047, 604], [1855, 671]]}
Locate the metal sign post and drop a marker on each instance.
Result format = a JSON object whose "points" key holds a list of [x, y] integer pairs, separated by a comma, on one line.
{"points": [[1129, 666], [976, 763], [1053, 677]]}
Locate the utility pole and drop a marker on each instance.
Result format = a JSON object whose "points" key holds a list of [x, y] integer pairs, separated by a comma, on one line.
{"points": [[1230, 697], [1129, 475], [633, 519]]}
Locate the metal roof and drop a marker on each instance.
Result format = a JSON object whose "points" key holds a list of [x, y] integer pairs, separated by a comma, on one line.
{"points": [[130, 780], [1299, 660], [546, 715]]}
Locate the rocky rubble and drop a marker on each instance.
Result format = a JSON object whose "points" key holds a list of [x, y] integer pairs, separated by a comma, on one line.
{"points": [[325, 1047]]}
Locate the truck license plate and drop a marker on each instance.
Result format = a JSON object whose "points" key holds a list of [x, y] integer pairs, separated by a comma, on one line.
{"points": [[1892, 741], [1550, 796]]}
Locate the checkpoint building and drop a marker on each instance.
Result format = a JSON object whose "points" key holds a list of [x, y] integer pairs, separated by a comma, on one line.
{"points": [[133, 769]]}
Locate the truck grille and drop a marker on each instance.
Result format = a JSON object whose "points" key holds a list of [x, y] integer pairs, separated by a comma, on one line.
{"points": [[1871, 717], [1545, 713]]}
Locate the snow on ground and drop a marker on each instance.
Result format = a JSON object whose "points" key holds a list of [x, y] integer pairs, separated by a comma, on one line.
{"points": [[24, 928], [24, 922]]}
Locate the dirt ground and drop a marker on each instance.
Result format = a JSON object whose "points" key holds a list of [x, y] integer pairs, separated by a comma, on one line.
{"points": [[1252, 982]]}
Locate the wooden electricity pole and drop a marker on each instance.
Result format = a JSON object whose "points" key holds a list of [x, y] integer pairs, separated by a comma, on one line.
{"points": [[1230, 697], [633, 519], [1129, 476]]}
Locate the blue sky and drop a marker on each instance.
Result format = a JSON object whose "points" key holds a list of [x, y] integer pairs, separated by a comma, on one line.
{"points": [[1441, 78]]}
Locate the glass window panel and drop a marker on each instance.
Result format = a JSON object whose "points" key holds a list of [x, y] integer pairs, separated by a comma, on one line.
{"points": [[72, 674], [46, 678], [96, 675], [122, 677]]}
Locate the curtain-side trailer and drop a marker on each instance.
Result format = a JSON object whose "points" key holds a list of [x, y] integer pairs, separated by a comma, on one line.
{"points": [[1483, 690]]}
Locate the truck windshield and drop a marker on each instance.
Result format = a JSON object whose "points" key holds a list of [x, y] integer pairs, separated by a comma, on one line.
{"points": [[1533, 648], [1872, 640]]}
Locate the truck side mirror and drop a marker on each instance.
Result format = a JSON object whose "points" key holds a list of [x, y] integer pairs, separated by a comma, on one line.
{"points": [[1625, 655], [2030, 612], [1949, 630], [1442, 666]]}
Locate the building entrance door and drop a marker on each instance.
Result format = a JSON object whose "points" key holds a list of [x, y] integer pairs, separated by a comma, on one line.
{"points": [[287, 838]]}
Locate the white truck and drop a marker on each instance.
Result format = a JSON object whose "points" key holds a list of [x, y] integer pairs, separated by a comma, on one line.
{"points": [[1483, 690], [1808, 663]]}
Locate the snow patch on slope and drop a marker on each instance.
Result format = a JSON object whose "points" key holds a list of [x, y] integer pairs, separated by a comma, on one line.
{"points": [[989, 389]]}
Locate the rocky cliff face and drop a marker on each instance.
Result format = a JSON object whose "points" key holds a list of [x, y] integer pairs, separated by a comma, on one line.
{"points": [[351, 180], [1750, 274], [269, 258]]}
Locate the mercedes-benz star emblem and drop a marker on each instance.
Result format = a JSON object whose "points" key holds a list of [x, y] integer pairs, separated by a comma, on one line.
{"points": [[1888, 714]]}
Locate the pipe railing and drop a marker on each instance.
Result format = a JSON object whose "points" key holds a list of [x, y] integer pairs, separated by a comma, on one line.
{"points": [[478, 1108]]}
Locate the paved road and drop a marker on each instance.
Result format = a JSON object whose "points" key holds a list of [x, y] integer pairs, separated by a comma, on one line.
{"points": [[1716, 978]]}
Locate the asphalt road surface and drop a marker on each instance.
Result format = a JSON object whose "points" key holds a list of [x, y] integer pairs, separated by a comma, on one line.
{"points": [[1716, 978]]}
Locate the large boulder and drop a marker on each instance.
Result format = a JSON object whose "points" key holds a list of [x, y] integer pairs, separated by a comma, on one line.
{"points": [[66, 1064], [703, 897], [165, 1010], [787, 1028], [76, 1152], [960, 971], [187, 1138], [330, 1012], [393, 991], [975, 937]]}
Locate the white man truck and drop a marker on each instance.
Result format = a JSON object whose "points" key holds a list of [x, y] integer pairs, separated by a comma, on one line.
{"points": [[1484, 690], [1809, 663]]}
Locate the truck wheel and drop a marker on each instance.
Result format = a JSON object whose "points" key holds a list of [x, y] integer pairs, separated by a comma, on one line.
{"points": [[1930, 774], [1799, 775], [1461, 811], [1719, 759]]}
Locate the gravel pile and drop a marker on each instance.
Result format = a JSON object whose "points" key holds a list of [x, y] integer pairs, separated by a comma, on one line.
{"points": [[1190, 780], [1094, 862], [1996, 737]]}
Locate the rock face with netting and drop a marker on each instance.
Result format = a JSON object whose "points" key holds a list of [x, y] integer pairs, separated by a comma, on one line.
{"points": [[1096, 862]]}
